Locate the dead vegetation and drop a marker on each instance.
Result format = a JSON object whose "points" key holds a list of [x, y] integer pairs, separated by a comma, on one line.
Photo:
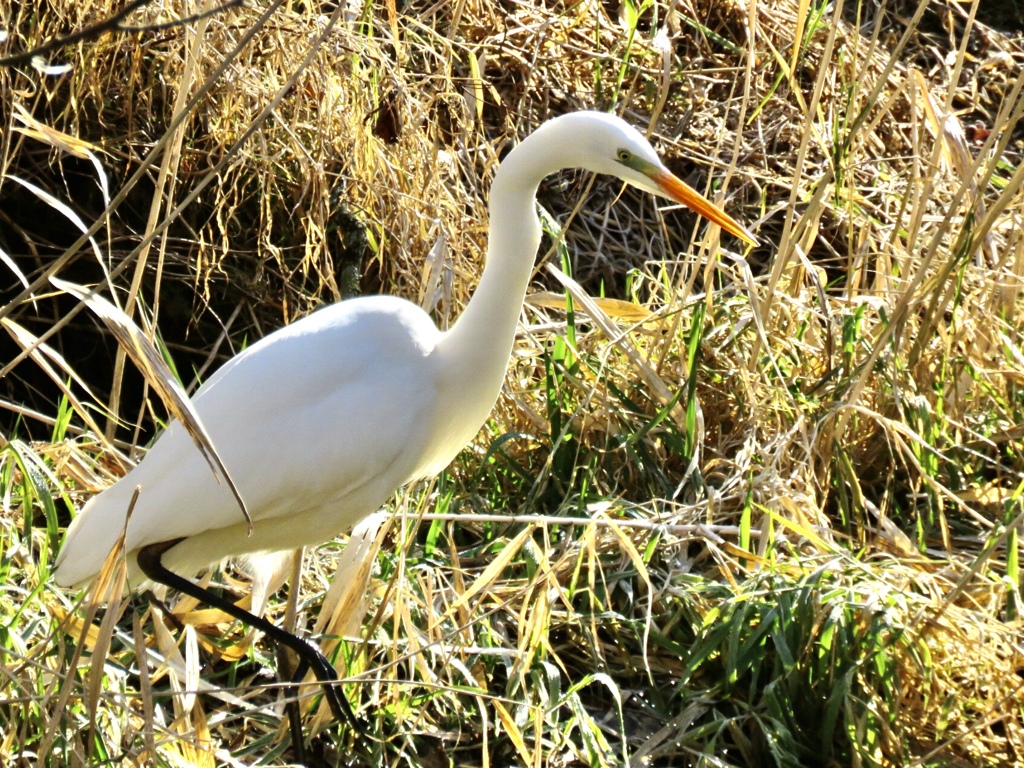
{"points": [[761, 510]]}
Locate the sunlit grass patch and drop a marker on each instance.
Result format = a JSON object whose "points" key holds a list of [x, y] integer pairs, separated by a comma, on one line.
{"points": [[735, 506]]}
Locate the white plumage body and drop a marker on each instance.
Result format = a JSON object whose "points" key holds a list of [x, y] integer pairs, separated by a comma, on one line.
{"points": [[333, 443]]}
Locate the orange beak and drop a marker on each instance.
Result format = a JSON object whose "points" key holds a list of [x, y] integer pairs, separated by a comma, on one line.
{"points": [[674, 188]]}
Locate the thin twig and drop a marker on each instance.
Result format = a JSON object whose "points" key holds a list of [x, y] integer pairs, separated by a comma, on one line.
{"points": [[109, 24], [601, 522]]}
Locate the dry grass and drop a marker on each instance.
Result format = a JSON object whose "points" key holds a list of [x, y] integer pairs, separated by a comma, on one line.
{"points": [[765, 515]]}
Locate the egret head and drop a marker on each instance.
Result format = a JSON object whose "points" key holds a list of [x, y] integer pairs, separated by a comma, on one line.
{"points": [[604, 143]]}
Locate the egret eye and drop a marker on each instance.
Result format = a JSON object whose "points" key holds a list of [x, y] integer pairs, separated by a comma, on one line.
{"points": [[624, 155]]}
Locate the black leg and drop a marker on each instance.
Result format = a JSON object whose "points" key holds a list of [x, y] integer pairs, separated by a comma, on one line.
{"points": [[310, 658], [291, 693]]}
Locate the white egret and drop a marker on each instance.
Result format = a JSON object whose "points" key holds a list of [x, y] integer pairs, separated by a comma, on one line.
{"points": [[320, 421]]}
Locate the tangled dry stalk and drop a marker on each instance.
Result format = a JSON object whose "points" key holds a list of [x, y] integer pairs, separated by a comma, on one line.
{"points": [[745, 508]]}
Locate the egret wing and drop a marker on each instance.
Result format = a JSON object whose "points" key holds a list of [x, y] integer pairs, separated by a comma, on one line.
{"points": [[317, 423]]}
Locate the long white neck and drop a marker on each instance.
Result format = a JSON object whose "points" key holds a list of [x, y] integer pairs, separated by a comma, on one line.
{"points": [[476, 349]]}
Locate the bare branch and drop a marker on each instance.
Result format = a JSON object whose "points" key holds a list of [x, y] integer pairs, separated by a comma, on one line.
{"points": [[110, 24]]}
